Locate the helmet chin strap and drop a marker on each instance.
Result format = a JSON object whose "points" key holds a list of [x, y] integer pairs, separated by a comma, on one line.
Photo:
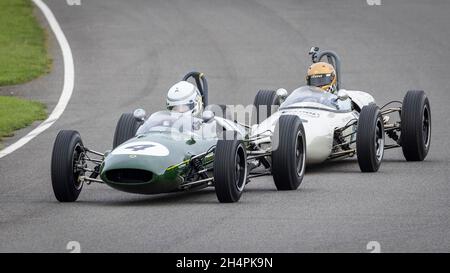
{"points": [[198, 109], [332, 89]]}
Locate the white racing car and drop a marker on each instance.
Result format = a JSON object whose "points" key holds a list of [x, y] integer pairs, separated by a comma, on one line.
{"points": [[338, 123]]}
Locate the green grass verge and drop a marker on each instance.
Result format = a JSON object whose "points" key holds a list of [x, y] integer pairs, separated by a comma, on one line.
{"points": [[23, 57], [16, 113], [23, 53]]}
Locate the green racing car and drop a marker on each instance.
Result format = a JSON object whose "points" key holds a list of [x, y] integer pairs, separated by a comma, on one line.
{"points": [[189, 146]]}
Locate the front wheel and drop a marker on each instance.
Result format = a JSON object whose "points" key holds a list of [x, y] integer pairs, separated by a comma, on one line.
{"points": [[370, 138], [415, 136], [266, 102], [289, 153], [67, 158], [126, 128], [230, 170]]}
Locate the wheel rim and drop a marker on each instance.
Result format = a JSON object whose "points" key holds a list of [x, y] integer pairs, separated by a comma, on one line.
{"points": [[379, 140], [240, 168], [77, 159], [299, 154], [426, 132]]}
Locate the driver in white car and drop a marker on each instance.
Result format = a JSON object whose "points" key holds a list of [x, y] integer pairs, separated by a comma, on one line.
{"points": [[323, 76]]}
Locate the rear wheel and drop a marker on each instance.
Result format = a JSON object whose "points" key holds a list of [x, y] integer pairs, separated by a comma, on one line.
{"points": [[265, 102], [415, 134], [230, 170], [370, 138], [67, 158], [289, 154], [126, 128]]}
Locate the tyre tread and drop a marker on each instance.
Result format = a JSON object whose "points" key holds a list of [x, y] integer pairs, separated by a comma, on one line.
{"points": [[283, 170], [266, 98]]}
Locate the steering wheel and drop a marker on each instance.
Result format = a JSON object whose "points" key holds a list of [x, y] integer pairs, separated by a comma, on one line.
{"points": [[202, 84]]}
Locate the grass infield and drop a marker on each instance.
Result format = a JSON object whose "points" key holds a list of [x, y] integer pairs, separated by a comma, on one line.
{"points": [[23, 57]]}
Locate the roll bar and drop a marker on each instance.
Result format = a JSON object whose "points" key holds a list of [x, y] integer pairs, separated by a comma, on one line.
{"points": [[202, 84]]}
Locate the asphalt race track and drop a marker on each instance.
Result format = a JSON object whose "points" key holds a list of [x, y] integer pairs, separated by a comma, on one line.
{"points": [[128, 53]]}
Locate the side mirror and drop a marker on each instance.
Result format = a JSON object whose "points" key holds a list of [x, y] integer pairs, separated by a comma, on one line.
{"points": [[342, 94], [282, 93], [207, 115], [139, 114]]}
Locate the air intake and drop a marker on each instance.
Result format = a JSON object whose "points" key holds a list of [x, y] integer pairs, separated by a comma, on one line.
{"points": [[129, 176]]}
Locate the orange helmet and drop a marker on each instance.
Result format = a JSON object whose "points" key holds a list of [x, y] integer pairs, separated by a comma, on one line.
{"points": [[322, 75]]}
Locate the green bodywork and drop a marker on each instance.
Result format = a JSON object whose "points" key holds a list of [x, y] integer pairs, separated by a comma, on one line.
{"points": [[168, 171]]}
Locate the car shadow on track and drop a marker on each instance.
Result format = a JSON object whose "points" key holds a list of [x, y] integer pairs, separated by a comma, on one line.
{"points": [[195, 197], [190, 197], [341, 166], [350, 165], [401, 160]]}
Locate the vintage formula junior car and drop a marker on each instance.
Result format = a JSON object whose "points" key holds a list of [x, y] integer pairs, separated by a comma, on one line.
{"points": [[344, 123], [170, 152]]}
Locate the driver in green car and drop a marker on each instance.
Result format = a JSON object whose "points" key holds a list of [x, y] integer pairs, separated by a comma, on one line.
{"points": [[185, 107], [183, 97]]}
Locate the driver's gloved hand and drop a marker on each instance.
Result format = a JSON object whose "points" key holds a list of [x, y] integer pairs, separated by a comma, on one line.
{"points": [[196, 125]]}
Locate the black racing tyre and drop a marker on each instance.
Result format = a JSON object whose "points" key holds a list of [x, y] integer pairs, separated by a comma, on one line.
{"points": [[126, 128], [415, 136], [370, 138], [230, 170], [264, 102], [68, 152], [289, 153]]}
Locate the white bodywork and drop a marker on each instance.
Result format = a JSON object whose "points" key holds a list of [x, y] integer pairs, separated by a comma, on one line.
{"points": [[319, 121]]}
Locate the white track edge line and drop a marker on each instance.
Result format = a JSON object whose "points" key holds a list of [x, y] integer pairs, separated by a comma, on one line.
{"points": [[69, 78]]}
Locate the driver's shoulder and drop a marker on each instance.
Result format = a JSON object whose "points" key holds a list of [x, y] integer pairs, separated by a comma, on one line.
{"points": [[160, 113]]}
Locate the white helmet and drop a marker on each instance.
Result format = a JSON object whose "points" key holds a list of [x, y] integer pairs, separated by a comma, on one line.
{"points": [[183, 97]]}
